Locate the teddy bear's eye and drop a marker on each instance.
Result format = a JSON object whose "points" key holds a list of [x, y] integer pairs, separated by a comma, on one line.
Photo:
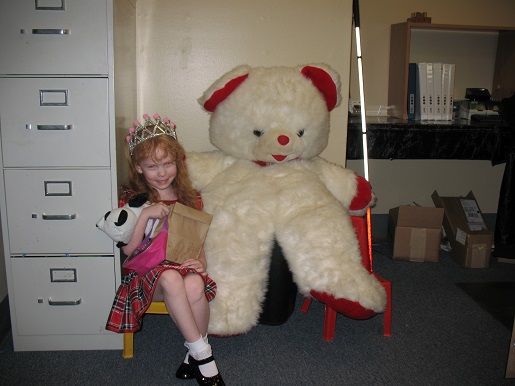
{"points": [[258, 133], [300, 133]]}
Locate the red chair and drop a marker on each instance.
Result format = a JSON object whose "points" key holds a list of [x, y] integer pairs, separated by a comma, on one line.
{"points": [[346, 307]]}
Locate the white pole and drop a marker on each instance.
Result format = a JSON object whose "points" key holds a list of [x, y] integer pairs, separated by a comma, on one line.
{"points": [[362, 104], [355, 11]]}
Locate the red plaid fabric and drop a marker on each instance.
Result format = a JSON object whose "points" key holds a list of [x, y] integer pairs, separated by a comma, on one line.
{"points": [[135, 295]]}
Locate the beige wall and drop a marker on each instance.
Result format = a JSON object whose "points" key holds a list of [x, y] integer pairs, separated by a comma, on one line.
{"points": [[377, 16], [403, 182], [184, 46]]}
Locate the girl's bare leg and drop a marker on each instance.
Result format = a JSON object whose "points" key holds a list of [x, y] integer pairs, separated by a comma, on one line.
{"points": [[188, 307], [171, 289]]}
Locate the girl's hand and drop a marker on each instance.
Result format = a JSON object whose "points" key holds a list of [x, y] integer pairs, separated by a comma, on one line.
{"points": [[157, 210], [196, 265]]}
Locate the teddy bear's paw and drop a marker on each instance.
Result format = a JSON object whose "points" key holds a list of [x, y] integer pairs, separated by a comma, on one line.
{"points": [[346, 307], [363, 199]]}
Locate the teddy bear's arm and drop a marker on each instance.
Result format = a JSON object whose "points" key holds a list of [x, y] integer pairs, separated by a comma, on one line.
{"points": [[204, 167], [353, 191]]}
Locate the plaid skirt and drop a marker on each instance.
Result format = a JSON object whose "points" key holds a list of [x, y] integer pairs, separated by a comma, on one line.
{"points": [[135, 295]]}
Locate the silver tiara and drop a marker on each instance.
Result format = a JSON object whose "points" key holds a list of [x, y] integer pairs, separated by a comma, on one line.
{"points": [[149, 129]]}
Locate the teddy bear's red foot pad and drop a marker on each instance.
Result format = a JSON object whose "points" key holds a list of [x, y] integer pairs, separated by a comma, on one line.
{"points": [[346, 307]]}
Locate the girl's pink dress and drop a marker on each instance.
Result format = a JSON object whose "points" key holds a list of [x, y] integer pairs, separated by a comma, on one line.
{"points": [[134, 295]]}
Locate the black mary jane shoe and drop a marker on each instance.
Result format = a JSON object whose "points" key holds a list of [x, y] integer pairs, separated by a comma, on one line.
{"points": [[202, 380], [185, 371]]}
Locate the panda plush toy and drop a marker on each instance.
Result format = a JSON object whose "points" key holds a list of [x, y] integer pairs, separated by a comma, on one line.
{"points": [[119, 223]]}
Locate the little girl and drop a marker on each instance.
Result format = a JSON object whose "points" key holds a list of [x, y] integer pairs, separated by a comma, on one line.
{"points": [[157, 168]]}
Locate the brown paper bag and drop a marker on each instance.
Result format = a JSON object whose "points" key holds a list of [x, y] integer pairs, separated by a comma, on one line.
{"points": [[187, 231]]}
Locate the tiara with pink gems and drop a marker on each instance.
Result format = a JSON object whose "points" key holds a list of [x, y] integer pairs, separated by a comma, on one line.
{"points": [[149, 129]]}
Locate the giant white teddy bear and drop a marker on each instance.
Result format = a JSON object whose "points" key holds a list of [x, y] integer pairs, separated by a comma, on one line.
{"points": [[268, 182]]}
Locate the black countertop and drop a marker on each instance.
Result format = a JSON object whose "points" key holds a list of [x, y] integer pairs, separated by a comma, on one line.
{"points": [[390, 138]]}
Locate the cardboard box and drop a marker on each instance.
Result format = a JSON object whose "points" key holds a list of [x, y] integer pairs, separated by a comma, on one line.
{"points": [[415, 232], [463, 222]]}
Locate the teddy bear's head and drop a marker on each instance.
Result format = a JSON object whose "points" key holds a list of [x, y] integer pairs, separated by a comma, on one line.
{"points": [[274, 114], [119, 223]]}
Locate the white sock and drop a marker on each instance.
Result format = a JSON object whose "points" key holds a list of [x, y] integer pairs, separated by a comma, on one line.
{"points": [[186, 358], [201, 350]]}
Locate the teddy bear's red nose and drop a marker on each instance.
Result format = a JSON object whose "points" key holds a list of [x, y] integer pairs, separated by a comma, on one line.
{"points": [[283, 140]]}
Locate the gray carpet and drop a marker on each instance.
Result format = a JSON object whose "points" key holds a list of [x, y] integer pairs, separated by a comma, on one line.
{"points": [[441, 336], [496, 298]]}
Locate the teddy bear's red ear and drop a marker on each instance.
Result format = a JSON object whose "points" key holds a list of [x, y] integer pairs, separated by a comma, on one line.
{"points": [[324, 83], [222, 93]]}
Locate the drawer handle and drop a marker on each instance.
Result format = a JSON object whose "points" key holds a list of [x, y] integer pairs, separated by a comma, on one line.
{"points": [[49, 7], [54, 127], [64, 302], [59, 216], [51, 31]]}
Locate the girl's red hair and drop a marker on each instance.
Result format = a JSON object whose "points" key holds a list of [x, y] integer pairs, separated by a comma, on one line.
{"points": [[165, 145]]}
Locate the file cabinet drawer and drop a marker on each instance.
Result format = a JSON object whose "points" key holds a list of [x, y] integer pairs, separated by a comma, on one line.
{"points": [[54, 128], [62, 295], [53, 37], [55, 211]]}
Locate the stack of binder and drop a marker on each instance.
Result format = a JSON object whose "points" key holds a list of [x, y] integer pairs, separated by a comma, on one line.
{"points": [[430, 91]]}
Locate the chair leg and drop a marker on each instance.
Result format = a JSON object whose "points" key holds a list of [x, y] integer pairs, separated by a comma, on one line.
{"points": [[128, 345], [330, 314], [388, 311], [329, 323], [306, 304]]}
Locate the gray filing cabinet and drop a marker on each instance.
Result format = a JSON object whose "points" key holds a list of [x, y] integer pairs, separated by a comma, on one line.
{"points": [[58, 165]]}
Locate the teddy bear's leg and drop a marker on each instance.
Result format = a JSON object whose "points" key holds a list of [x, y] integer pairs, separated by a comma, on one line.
{"points": [[323, 254], [238, 260], [237, 305], [281, 290]]}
